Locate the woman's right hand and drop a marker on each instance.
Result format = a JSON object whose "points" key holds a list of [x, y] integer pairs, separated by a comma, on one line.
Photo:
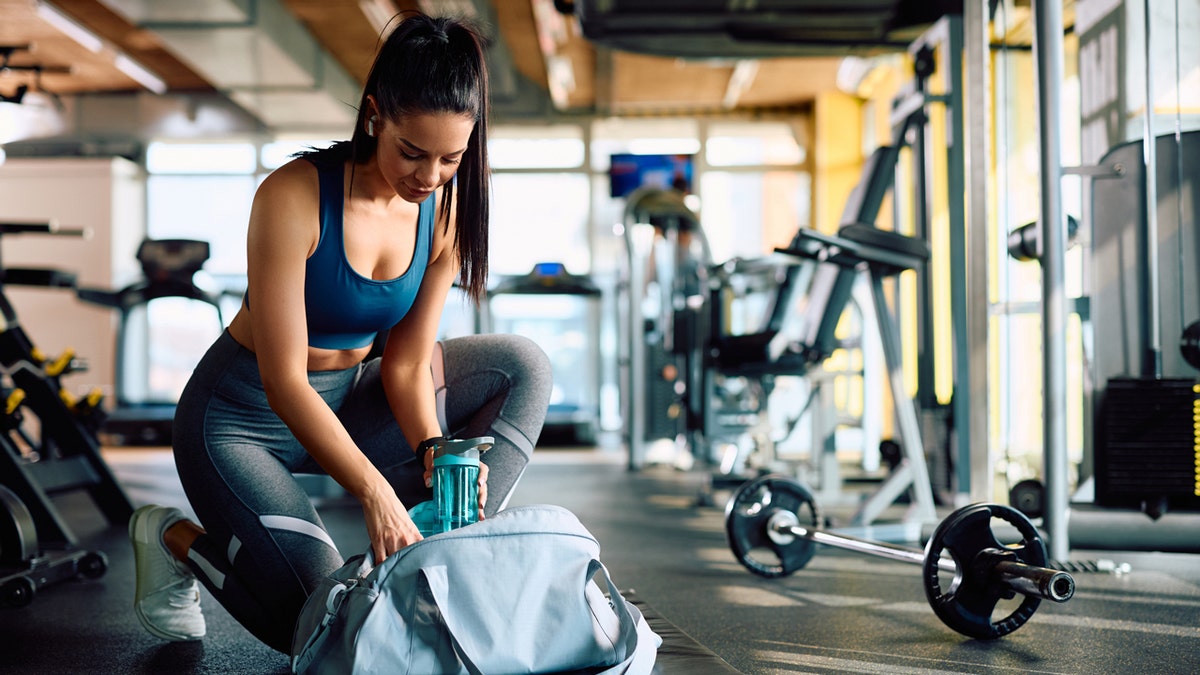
{"points": [[389, 526]]}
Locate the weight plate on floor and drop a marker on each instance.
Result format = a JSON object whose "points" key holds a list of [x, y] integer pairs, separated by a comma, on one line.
{"points": [[969, 601], [751, 515], [1026, 497]]}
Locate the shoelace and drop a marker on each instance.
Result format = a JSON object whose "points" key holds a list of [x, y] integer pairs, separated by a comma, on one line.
{"points": [[183, 593]]}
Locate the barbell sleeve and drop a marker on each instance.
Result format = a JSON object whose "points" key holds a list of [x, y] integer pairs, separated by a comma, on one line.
{"points": [[1035, 581]]}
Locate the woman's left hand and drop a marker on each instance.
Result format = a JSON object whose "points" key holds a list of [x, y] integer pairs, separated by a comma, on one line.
{"points": [[483, 474]]}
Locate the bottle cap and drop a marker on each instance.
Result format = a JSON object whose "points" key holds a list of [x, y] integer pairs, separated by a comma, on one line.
{"points": [[461, 451]]}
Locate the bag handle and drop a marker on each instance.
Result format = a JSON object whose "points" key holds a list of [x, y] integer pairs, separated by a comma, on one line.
{"points": [[439, 589], [639, 644], [313, 647], [626, 646]]}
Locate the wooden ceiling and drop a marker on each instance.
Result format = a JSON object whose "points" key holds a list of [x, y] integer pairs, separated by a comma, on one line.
{"points": [[545, 49]]}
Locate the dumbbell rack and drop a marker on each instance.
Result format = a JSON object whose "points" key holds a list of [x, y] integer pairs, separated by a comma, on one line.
{"points": [[37, 547]]}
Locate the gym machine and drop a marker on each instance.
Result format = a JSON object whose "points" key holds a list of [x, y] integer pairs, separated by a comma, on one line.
{"points": [[37, 547], [774, 526], [561, 311], [1142, 492], [744, 369], [661, 307], [839, 261], [169, 268]]}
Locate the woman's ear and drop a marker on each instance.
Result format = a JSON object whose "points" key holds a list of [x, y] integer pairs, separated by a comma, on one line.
{"points": [[371, 115]]}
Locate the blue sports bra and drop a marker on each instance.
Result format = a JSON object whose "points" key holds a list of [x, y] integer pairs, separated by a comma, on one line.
{"points": [[345, 309]]}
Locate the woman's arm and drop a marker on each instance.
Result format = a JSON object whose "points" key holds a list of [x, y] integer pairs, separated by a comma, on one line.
{"points": [[406, 374], [284, 229]]}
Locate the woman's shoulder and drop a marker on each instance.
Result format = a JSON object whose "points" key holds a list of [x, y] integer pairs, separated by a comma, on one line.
{"points": [[297, 175]]}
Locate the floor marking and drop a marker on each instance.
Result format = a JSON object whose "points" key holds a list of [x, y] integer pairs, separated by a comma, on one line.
{"points": [[1173, 630], [886, 663], [748, 596], [1136, 599], [1118, 624], [826, 600]]}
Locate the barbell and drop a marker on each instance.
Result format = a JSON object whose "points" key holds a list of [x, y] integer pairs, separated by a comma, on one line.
{"points": [[773, 527]]}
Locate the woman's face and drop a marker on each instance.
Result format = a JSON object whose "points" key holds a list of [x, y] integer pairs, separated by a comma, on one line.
{"points": [[418, 153]]}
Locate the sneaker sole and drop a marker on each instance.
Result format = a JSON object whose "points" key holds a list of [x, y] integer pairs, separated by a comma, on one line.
{"points": [[150, 628]]}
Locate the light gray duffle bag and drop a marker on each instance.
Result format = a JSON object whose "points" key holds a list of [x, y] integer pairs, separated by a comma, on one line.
{"points": [[514, 593]]}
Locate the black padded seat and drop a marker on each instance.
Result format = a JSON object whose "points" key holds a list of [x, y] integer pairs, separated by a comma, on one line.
{"points": [[886, 252], [31, 276], [890, 252], [749, 354]]}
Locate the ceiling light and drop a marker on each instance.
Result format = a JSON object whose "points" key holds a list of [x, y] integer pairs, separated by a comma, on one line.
{"points": [[739, 81], [140, 74], [67, 26], [93, 43]]}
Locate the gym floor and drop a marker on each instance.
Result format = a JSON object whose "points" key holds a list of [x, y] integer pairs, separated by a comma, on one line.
{"points": [[844, 612]]}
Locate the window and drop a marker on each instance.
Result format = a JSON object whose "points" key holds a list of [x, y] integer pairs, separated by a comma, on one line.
{"points": [[753, 144], [539, 209], [539, 217], [536, 147], [194, 158], [194, 191]]}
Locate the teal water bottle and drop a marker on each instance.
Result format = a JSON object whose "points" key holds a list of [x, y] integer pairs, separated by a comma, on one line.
{"points": [[456, 481]]}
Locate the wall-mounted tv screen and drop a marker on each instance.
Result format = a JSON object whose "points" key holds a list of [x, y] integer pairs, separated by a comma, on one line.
{"points": [[628, 172]]}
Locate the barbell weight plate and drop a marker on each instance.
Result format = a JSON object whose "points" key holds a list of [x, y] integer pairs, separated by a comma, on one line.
{"points": [[969, 601], [1189, 344], [748, 517], [1026, 497]]}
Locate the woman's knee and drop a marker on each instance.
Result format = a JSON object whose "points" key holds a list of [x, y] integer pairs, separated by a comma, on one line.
{"points": [[530, 360], [522, 361]]}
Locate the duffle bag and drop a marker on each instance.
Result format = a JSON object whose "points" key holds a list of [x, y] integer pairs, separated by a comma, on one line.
{"points": [[514, 593]]}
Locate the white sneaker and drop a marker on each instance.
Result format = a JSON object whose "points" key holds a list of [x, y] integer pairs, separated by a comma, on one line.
{"points": [[167, 600]]}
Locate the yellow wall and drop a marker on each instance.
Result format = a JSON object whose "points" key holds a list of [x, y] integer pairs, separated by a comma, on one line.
{"points": [[837, 156]]}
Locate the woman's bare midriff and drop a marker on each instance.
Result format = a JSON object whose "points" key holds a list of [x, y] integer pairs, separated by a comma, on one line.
{"points": [[318, 359]]}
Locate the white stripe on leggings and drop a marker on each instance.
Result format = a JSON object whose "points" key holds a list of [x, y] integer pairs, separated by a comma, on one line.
{"points": [[215, 577], [297, 525], [502, 427]]}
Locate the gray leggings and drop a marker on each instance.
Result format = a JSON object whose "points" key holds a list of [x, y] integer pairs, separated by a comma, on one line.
{"points": [[265, 547]]}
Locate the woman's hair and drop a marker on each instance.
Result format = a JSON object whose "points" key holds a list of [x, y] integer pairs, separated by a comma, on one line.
{"points": [[434, 65]]}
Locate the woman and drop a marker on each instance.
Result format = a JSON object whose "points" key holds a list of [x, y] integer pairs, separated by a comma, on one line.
{"points": [[360, 239]]}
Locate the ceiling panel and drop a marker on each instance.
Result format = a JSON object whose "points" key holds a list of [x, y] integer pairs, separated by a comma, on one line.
{"points": [[543, 48], [790, 82], [87, 71], [651, 83], [343, 29]]}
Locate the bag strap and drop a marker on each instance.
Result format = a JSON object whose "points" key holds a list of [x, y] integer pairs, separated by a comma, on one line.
{"points": [[439, 589], [638, 643], [313, 647]]}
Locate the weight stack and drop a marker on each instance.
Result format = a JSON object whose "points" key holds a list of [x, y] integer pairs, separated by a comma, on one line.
{"points": [[1148, 448]]}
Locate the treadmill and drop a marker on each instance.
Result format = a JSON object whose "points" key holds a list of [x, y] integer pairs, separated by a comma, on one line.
{"points": [[169, 268]]}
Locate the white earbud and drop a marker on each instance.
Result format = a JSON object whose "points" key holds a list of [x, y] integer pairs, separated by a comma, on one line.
{"points": [[371, 125]]}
